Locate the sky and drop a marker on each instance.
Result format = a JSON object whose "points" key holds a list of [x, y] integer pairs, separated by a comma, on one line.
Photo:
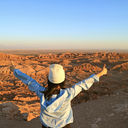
{"points": [[63, 24]]}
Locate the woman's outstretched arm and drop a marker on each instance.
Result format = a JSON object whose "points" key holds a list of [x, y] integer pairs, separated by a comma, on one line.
{"points": [[85, 84], [32, 84]]}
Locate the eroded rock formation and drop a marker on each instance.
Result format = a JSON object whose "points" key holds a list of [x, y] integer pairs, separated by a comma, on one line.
{"points": [[78, 66]]}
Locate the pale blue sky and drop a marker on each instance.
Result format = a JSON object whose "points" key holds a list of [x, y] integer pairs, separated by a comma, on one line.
{"points": [[64, 24]]}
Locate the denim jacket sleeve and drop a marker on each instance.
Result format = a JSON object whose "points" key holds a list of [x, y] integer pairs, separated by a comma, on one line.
{"points": [[85, 84], [33, 85]]}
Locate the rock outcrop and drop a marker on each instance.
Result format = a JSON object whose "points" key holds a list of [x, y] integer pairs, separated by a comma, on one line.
{"points": [[87, 67], [10, 111], [121, 67]]}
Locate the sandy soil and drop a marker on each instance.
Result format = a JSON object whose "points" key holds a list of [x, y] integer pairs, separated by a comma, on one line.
{"points": [[106, 112]]}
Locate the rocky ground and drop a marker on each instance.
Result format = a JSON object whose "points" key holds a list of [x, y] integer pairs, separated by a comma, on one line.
{"points": [[104, 105]]}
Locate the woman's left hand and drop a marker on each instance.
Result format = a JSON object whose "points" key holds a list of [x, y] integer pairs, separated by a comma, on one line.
{"points": [[12, 67]]}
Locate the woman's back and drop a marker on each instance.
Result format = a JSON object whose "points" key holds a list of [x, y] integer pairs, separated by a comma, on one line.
{"points": [[57, 111]]}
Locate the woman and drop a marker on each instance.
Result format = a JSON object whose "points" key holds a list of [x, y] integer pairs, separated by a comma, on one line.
{"points": [[55, 100]]}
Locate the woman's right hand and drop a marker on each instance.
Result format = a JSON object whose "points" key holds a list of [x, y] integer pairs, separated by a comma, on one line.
{"points": [[103, 72]]}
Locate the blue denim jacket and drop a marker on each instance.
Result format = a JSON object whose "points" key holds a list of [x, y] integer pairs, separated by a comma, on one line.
{"points": [[57, 111]]}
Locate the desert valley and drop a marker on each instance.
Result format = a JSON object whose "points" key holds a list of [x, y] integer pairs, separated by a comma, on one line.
{"points": [[19, 104]]}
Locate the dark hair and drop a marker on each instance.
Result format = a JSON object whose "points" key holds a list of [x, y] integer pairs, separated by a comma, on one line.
{"points": [[53, 89]]}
